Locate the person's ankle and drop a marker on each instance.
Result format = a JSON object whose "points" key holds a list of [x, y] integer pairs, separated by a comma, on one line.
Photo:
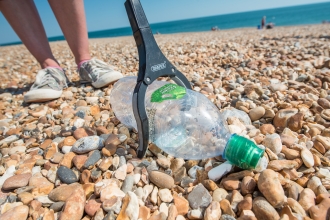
{"points": [[81, 62], [50, 63]]}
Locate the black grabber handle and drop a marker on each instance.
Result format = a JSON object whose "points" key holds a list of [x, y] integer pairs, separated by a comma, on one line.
{"points": [[152, 64]]}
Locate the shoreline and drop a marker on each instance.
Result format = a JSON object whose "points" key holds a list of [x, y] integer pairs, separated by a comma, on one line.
{"points": [[231, 29]]}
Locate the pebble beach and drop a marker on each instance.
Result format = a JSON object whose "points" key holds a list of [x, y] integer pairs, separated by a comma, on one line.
{"points": [[72, 158]]}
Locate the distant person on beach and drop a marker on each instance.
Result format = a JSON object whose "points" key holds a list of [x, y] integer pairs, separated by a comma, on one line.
{"points": [[24, 18], [263, 22]]}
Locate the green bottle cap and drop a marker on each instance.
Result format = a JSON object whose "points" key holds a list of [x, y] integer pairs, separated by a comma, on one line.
{"points": [[242, 152]]}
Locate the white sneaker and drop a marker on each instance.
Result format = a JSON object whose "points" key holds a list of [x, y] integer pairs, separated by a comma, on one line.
{"points": [[98, 73], [49, 85]]}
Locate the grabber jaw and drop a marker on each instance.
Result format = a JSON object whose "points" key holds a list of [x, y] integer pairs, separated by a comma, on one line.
{"points": [[152, 65]]}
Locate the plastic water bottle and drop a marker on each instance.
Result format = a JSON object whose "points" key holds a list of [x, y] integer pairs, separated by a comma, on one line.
{"points": [[184, 123]]}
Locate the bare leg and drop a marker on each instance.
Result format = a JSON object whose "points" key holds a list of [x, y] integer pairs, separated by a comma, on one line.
{"points": [[24, 19], [70, 15]]}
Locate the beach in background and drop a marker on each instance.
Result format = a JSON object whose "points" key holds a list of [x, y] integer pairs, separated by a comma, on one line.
{"points": [[288, 16]]}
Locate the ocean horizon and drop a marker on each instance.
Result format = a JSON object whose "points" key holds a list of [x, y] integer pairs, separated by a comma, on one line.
{"points": [[285, 16]]}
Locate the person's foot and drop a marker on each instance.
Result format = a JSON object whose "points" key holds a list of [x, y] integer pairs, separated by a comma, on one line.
{"points": [[49, 85], [98, 73]]}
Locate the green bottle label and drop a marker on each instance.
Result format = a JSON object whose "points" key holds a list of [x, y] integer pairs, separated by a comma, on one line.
{"points": [[168, 91]]}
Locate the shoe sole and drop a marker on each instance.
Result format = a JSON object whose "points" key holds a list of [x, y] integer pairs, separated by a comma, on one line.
{"points": [[42, 95]]}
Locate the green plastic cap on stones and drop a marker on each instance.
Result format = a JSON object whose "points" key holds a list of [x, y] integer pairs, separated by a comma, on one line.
{"points": [[242, 152]]}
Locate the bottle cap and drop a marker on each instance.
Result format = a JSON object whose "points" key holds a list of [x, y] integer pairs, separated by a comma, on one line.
{"points": [[242, 152]]}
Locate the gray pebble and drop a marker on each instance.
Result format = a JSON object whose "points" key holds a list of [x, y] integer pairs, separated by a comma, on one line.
{"points": [[66, 175], [199, 197], [95, 174], [128, 184], [92, 159], [11, 198], [87, 144]]}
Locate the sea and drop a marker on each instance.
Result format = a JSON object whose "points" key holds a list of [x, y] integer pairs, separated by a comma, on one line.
{"points": [[288, 16]]}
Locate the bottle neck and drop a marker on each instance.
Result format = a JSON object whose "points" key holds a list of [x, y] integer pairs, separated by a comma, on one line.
{"points": [[242, 152]]}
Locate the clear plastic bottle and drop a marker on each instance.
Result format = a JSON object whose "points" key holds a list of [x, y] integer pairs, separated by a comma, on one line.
{"points": [[184, 123]]}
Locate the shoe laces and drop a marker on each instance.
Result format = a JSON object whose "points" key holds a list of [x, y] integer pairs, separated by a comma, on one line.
{"points": [[51, 78], [96, 67]]}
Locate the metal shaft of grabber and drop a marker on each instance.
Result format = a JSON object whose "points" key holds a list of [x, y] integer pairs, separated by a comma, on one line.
{"points": [[152, 65]]}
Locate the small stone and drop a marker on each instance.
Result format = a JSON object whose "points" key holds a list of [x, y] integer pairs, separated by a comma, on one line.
{"points": [[67, 160], [18, 212], [165, 195], [226, 208], [25, 198], [91, 207], [278, 165], [131, 210], [263, 210], [41, 185], [110, 191], [231, 183], [63, 192], [270, 186], [278, 87], [66, 175], [45, 201], [213, 212], [245, 204], [105, 164], [92, 159], [112, 204], [161, 180], [296, 207], [314, 183], [128, 183], [248, 185], [326, 114], [154, 195], [267, 129], [176, 164], [80, 133], [307, 157], [57, 206], [273, 142], [51, 174], [235, 199], [295, 122], [195, 214], [87, 144], [57, 157], [219, 194], [163, 161], [193, 171], [69, 141], [281, 118], [121, 172], [16, 181], [256, 113], [199, 197], [79, 161], [307, 199], [210, 185], [320, 211], [181, 204], [74, 205], [163, 208]]}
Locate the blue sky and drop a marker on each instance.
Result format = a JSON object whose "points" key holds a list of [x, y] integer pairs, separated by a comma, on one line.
{"points": [[108, 14]]}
